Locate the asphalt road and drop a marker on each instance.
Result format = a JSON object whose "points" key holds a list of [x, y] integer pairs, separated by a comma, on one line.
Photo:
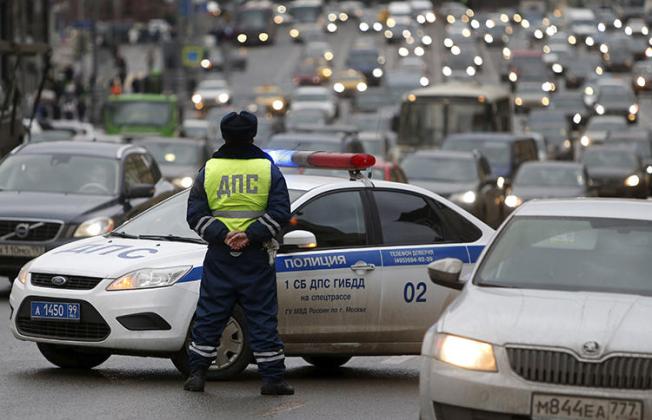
{"points": [[147, 388]]}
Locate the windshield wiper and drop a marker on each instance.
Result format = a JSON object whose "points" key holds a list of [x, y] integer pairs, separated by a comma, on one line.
{"points": [[123, 235], [173, 238]]}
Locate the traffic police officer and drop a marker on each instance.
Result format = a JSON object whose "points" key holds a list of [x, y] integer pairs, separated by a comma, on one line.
{"points": [[239, 204]]}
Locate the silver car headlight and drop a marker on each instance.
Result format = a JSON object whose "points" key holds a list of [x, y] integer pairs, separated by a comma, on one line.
{"points": [[148, 278], [465, 353], [94, 227], [467, 197], [183, 182]]}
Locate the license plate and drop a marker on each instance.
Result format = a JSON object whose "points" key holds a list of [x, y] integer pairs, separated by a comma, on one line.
{"points": [[56, 310], [548, 407], [21, 250]]}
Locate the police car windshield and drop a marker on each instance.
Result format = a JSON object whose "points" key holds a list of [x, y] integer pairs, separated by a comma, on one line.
{"points": [[169, 219], [588, 254], [60, 173]]}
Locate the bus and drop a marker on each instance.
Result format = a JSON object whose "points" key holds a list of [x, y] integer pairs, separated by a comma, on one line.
{"points": [[254, 24], [428, 115], [142, 114]]}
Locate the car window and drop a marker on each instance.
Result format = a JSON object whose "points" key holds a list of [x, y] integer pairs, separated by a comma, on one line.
{"points": [[408, 219], [138, 170], [323, 217]]}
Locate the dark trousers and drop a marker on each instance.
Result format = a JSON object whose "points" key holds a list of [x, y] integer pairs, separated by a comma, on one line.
{"points": [[249, 281]]}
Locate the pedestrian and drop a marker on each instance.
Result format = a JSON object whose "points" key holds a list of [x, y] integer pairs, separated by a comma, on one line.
{"points": [[239, 204]]}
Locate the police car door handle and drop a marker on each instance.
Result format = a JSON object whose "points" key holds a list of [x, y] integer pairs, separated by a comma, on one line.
{"points": [[362, 266]]}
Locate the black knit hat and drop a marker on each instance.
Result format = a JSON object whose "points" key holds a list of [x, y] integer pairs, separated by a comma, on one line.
{"points": [[240, 127]]}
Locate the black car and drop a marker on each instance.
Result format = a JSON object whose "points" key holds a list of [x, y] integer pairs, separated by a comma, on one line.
{"points": [[640, 139], [577, 69], [58, 192], [505, 152], [642, 76], [178, 158], [367, 60], [549, 179], [616, 171], [571, 103], [462, 177], [617, 99], [552, 124]]}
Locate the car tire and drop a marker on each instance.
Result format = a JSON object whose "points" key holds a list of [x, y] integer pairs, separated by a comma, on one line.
{"points": [[234, 356], [68, 357], [327, 362]]}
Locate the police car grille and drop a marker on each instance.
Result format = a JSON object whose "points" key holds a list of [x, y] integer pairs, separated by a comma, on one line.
{"points": [[72, 282], [556, 367], [40, 232], [91, 326]]}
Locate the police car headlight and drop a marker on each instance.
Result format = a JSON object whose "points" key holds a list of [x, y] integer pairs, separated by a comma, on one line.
{"points": [[465, 353], [467, 197], [94, 227], [149, 278], [183, 182], [23, 275]]}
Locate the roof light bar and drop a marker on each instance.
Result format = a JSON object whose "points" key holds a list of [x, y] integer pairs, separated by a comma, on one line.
{"points": [[323, 160]]}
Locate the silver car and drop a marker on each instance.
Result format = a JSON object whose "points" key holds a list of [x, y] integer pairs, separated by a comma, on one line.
{"points": [[552, 324]]}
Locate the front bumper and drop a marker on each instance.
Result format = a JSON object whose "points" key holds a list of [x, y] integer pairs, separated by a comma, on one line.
{"points": [[174, 304], [460, 394]]}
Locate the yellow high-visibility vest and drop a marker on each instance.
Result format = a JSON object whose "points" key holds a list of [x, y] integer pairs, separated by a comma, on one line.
{"points": [[237, 190]]}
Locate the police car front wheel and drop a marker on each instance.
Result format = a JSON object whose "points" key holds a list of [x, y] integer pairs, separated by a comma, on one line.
{"points": [[69, 357], [327, 362]]}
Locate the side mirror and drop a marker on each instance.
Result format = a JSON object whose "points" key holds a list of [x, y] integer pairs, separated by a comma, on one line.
{"points": [[300, 239], [446, 272], [139, 191]]}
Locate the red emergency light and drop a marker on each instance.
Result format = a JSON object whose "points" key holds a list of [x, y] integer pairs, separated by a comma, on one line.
{"points": [[323, 160]]}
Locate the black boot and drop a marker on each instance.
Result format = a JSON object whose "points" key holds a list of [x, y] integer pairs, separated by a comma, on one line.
{"points": [[196, 381], [277, 388]]}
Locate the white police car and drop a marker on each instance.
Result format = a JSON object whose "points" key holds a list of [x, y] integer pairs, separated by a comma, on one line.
{"points": [[351, 278]]}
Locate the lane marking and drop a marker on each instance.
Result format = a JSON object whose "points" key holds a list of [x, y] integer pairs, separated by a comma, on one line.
{"points": [[283, 408], [397, 360]]}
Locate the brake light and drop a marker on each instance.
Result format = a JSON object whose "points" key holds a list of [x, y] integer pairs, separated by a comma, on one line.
{"points": [[323, 160]]}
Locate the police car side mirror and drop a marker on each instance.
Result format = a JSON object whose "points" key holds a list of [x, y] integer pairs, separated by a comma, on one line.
{"points": [[446, 272], [139, 191], [300, 239]]}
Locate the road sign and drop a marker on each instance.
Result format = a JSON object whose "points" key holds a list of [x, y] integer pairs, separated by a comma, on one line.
{"points": [[191, 56]]}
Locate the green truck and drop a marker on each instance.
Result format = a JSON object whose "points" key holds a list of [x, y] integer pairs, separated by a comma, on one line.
{"points": [[142, 114]]}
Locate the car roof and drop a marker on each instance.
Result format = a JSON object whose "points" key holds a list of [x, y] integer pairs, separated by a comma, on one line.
{"points": [[464, 89], [169, 140], [307, 137], [99, 149], [552, 164], [310, 89], [453, 154], [506, 137], [593, 207]]}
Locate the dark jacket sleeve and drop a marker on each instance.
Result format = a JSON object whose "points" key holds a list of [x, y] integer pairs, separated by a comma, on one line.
{"points": [[277, 214], [199, 215]]}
